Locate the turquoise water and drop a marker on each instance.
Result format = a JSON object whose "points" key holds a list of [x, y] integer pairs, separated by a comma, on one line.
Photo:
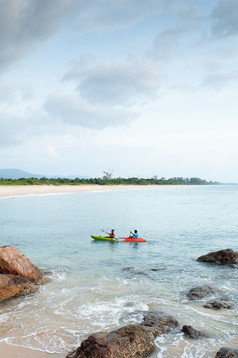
{"points": [[101, 285]]}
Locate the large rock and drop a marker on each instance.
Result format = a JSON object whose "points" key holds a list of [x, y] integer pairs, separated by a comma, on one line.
{"points": [[12, 261], [12, 286], [225, 352], [200, 292], [131, 341], [221, 257]]}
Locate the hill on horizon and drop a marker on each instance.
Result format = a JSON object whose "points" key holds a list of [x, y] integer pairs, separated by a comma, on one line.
{"points": [[12, 173]]}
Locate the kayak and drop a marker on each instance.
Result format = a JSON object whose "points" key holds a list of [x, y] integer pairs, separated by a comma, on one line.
{"points": [[104, 238], [130, 239], [125, 239]]}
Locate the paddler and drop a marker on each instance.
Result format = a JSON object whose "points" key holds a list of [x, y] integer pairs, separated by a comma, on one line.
{"points": [[134, 235], [112, 234]]}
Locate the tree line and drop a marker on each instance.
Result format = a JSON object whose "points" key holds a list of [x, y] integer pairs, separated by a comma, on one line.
{"points": [[107, 181]]}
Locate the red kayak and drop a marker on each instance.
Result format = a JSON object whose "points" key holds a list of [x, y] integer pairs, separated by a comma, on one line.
{"points": [[133, 240]]}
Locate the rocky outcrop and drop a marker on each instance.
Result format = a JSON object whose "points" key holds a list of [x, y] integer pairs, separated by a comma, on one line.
{"points": [[131, 341], [217, 304], [12, 261], [18, 275], [191, 332], [221, 257], [126, 342], [13, 286], [197, 293], [225, 352]]}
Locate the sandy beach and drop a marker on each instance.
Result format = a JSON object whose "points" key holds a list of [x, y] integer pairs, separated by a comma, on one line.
{"points": [[23, 190]]}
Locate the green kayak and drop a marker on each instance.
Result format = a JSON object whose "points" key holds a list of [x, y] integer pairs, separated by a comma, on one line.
{"points": [[104, 238]]}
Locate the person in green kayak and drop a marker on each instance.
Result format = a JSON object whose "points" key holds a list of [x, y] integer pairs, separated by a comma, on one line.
{"points": [[111, 234], [134, 235]]}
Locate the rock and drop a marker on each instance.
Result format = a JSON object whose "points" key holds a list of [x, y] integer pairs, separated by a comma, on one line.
{"points": [[222, 257], [127, 342], [134, 271], [158, 322], [197, 293], [225, 352], [13, 286], [12, 261], [191, 332], [132, 341], [217, 304]]}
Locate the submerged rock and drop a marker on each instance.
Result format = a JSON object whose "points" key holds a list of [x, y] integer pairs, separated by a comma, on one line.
{"points": [[221, 257], [225, 352], [217, 304], [132, 341], [158, 322], [191, 332], [12, 261], [197, 293]]}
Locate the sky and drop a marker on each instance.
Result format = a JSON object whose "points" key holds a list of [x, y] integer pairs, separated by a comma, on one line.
{"points": [[136, 87]]}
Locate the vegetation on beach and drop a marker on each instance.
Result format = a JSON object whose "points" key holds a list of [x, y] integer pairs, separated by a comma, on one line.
{"points": [[106, 181]]}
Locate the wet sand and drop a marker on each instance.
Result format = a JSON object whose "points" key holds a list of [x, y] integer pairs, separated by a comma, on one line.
{"points": [[9, 351]]}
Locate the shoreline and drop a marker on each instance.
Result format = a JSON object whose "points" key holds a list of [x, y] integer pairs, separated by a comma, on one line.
{"points": [[8, 191]]}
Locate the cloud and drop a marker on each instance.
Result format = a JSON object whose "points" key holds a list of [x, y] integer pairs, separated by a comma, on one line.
{"points": [[225, 18], [23, 23], [183, 22], [122, 84], [107, 15], [219, 80], [73, 111]]}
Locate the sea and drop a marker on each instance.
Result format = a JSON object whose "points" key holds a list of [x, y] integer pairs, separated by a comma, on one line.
{"points": [[101, 286]]}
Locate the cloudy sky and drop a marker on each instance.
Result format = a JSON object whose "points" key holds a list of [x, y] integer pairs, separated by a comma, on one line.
{"points": [[137, 87]]}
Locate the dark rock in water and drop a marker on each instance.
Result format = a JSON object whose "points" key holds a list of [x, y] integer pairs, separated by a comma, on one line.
{"points": [[197, 293], [225, 352], [134, 271], [222, 257], [217, 304], [156, 269], [191, 332], [132, 341], [126, 342], [129, 268], [158, 322], [13, 286]]}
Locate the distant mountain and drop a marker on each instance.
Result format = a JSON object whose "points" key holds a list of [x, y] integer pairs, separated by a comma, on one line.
{"points": [[17, 174]]}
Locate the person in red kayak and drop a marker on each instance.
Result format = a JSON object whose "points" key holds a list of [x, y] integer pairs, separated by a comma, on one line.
{"points": [[134, 235]]}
